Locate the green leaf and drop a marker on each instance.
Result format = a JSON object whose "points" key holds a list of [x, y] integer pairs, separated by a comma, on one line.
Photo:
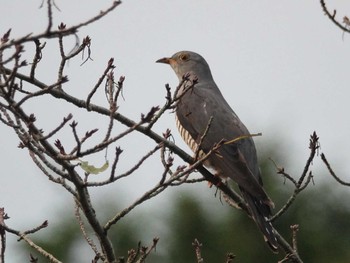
{"points": [[90, 169]]}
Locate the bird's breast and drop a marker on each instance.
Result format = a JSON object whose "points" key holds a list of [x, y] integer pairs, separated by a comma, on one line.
{"points": [[186, 136], [191, 142]]}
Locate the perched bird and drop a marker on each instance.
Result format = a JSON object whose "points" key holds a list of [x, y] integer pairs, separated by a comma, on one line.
{"points": [[203, 104]]}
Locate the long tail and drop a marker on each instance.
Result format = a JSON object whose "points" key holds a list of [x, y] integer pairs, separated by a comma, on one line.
{"points": [[261, 212]]}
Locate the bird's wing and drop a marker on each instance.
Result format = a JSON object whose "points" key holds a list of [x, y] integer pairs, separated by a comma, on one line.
{"points": [[237, 160]]}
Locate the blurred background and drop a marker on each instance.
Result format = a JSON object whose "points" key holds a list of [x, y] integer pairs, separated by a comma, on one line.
{"points": [[282, 66]]}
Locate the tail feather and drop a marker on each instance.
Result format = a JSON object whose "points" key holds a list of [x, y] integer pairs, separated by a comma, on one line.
{"points": [[261, 213]]}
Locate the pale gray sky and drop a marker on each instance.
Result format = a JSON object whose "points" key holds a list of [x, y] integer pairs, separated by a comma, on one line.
{"points": [[282, 66]]}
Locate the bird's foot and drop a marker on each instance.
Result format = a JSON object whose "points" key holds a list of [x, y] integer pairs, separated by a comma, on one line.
{"points": [[218, 182]]}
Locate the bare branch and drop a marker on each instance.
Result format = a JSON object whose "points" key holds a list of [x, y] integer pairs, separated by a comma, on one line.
{"points": [[145, 251], [301, 184], [42, 91], [280, 170], [49, 14], [295, 229], [345, 28], [37, 57], [58, 180], [73, 125], [118, 152], [36, 229], [59, 127], [24, 236], [166, 106], [56, 33], [323, 157], [2, 234], [109, 67], [291, 255], [85, 234], [127, 173]]}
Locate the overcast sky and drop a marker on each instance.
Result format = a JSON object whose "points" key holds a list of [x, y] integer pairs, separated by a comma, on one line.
{"points": [[282, 66]]}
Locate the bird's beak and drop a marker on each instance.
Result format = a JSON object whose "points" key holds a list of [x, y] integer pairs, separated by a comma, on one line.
{"points": [[165, 60]]}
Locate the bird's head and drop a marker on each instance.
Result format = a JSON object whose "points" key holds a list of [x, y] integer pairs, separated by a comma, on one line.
{"points": [[184, 62]]}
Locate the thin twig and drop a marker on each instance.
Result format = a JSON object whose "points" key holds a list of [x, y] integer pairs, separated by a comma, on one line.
{"points": [[101, 146], [42, 91], [49, 14], [58, 180], [36, 229], [146, 251], [49, 165], [161, 187], [56, 33], [280, 170], [301, 184], [109, 67], [2, 235], [24, 236], [314, 145], [332, 17], [292, 255], [118, 152], [170, 159], [167, 165], [127, 173], [167, 105], [323, 157], [85, 234], [199, 145], [37, 57], [8, 122], [197, 247], [295, 229], [73, 125], [87, 135], [187, 84], [59, 127]]}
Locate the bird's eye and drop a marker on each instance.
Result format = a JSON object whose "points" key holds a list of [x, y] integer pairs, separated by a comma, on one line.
{"points": [[184, 57]]}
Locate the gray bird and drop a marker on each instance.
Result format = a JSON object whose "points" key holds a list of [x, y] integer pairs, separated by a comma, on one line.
{"points": [[237, 161]]}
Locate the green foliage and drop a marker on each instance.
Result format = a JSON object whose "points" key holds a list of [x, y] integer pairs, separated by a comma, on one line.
{"points": [[321, 211], [190, 221], [219, 234], [91, 169]]}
